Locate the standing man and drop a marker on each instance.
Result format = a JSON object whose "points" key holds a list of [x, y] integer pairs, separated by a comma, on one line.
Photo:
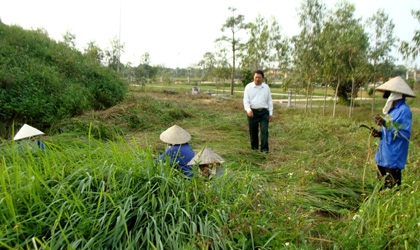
{"points": [[395, 131], [259, 108]]}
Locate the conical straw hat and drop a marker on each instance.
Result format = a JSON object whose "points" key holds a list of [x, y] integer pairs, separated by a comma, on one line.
{"points": [[206, 156], [397, 85], [27, 131], [175, 135]]}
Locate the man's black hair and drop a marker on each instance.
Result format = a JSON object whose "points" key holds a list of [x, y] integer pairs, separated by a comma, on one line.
{"points": [[260, 72]]}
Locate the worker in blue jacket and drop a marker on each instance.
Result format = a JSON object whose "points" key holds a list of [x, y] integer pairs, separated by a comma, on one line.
{"points": [[395, 131], [178, 151]]}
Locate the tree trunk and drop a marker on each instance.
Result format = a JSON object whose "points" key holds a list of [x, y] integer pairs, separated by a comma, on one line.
{"points": [[352, 96], [312, 98], [307, 95], [374, 85], [335, 96], [325, 99], [233, 66], [352, 86]]}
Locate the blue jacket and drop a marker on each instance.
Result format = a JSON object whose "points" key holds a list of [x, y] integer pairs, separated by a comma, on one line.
{"points": [[179, 155], [393, 146]]}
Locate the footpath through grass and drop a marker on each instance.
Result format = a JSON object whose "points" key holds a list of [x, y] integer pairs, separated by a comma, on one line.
{"points": [[97, 187]]}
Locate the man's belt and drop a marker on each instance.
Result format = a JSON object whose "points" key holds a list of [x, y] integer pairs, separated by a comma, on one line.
{"points": [[261, 109]]}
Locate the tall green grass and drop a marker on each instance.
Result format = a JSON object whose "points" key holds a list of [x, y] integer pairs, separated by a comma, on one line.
{"points": [[317, 189], [95, 195]]}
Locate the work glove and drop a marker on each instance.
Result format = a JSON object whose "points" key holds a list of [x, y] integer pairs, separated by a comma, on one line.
{"points": [[376, 133], [378, 120]]}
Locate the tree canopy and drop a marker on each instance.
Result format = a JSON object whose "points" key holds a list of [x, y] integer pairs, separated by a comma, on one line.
{"points": [[334, 48]]}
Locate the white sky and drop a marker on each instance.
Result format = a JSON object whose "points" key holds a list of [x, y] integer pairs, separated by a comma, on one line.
{"points": [[174, 32]]}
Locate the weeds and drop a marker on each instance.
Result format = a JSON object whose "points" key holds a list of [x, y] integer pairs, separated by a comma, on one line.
{"points": [[317, 189]]}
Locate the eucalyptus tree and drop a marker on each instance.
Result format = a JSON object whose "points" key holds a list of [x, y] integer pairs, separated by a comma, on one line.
{"points": [[94, 52], [194, 70], [356, 45], [399, 70], [234, 24], [280, 49], [208, 64], [344, 48], [306, 55], [145, 58], [145, 72], [361, 74], [412, 49], [255, 53], [164, 74], [329, 66], [223, 68], [382, 41], [331, 63], [70, 39], [266, 47], [112, 55]]}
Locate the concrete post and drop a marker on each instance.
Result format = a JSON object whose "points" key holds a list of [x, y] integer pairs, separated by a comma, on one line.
{"points": [[289, 102]]}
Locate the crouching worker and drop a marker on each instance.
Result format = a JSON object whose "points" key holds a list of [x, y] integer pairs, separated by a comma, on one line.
{"points": [[394, 132], [31, 135], [209, 163], [178, 150]]}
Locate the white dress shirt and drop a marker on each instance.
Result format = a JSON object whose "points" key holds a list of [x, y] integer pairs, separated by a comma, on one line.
{"points": [[257, 97]]}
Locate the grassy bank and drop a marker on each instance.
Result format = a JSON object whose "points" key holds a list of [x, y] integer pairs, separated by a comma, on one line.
{"points": [[98, 187]]}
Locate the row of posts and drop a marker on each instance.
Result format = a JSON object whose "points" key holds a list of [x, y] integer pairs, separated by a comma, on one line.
{"points": [[196, 90]]}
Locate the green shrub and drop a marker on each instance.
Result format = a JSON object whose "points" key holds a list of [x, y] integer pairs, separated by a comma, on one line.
{"points": [[247, 76], [370, 91], [43, 81]]}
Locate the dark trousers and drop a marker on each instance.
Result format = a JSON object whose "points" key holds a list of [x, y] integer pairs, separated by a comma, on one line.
{"points": [[259, 122], [392, 176]]}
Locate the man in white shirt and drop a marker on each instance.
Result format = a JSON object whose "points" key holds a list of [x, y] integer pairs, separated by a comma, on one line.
{"points": [[259, 108]]}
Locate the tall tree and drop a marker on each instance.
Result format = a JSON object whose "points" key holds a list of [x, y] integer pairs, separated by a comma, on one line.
{"points": [[382, 41], [93, 52], [234, 24], [223, 69], [70, 39], [306, 54], [255, 53], [344, 49], [412, 49], [112, 56], [266, 48], [208, 64], [280, 50], [145, 58], [144, 71]]}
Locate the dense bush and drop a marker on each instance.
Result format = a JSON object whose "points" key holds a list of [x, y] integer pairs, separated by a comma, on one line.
{"points": [[43, 81]]}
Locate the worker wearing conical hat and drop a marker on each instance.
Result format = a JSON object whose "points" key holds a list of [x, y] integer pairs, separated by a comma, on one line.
{"points": [[30, 133], [179, 151], [209, 163], [395, 131]]}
